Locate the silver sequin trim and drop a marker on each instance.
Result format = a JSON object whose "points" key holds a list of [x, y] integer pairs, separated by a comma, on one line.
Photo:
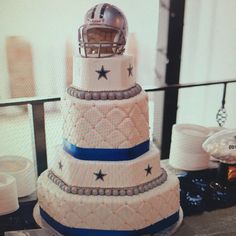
{"points": [[104, 95], [128, 191]]}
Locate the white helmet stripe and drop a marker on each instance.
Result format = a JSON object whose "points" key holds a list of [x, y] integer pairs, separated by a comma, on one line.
{"points": [[98, 11]]}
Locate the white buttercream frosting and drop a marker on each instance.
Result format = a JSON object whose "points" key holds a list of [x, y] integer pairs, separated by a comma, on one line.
{"points": [[104, 123], [119, 73], [119, 174], [109, 212], [103, 109]]}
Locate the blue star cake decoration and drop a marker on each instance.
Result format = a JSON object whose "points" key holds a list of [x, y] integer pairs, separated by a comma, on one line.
{"points": [[148, 170], [130, 70], [102, 73], [100, 175]]}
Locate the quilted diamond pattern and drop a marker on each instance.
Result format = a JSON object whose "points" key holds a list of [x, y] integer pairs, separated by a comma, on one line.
{"points": [[103, 212], [106, 124], [91, 118], [116, 116], [127, 126], [130, 217]]}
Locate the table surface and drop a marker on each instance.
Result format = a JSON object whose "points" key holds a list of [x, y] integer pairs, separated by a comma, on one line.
{"points": [[218, 223], [221, 222]]}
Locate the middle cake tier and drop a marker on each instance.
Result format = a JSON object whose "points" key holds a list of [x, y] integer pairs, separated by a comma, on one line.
{"points": [[110, 124], [139, 174]]}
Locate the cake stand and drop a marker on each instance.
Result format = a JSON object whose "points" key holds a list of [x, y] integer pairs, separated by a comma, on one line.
{"points": [[167, 232]]}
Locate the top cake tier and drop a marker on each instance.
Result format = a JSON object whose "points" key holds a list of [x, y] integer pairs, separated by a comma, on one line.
{"points": [[104, 74]]}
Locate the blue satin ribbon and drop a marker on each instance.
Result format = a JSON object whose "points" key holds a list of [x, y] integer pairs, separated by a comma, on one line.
{"points": [[67, 231], [103, 154]]}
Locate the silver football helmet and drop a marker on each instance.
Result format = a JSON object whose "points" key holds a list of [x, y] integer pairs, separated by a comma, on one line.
{"points": [[104, 33]]}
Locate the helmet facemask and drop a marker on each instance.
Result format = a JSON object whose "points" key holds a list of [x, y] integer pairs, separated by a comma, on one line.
{"points": [[100, 41]]}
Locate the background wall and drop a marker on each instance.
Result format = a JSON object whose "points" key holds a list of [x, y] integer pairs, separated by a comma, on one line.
{"points": [[208, 54]]}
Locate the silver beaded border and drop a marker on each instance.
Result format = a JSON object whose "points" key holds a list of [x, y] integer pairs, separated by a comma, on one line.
{"points": [[128, 191], [104, 95]]}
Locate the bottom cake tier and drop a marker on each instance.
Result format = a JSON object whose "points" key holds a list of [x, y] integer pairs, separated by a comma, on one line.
{"points": [[146, 213]]}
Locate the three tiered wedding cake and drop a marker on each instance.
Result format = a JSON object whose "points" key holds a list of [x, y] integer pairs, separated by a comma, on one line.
{"points": [[106, 178]]}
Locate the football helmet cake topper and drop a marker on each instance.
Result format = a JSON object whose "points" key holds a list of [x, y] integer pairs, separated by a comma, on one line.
{"points": [[104, 32]]}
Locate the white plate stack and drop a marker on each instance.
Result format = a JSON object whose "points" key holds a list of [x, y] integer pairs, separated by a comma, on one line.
{"points": [[8, 194], [186, 152], [22, 170]]}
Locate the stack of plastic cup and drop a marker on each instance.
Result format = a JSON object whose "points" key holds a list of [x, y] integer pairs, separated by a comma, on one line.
{"points": [[186, 152], [8, 194], [22, 170]]}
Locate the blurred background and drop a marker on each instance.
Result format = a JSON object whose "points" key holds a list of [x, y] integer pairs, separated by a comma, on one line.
{"points": [[39, 38]]}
